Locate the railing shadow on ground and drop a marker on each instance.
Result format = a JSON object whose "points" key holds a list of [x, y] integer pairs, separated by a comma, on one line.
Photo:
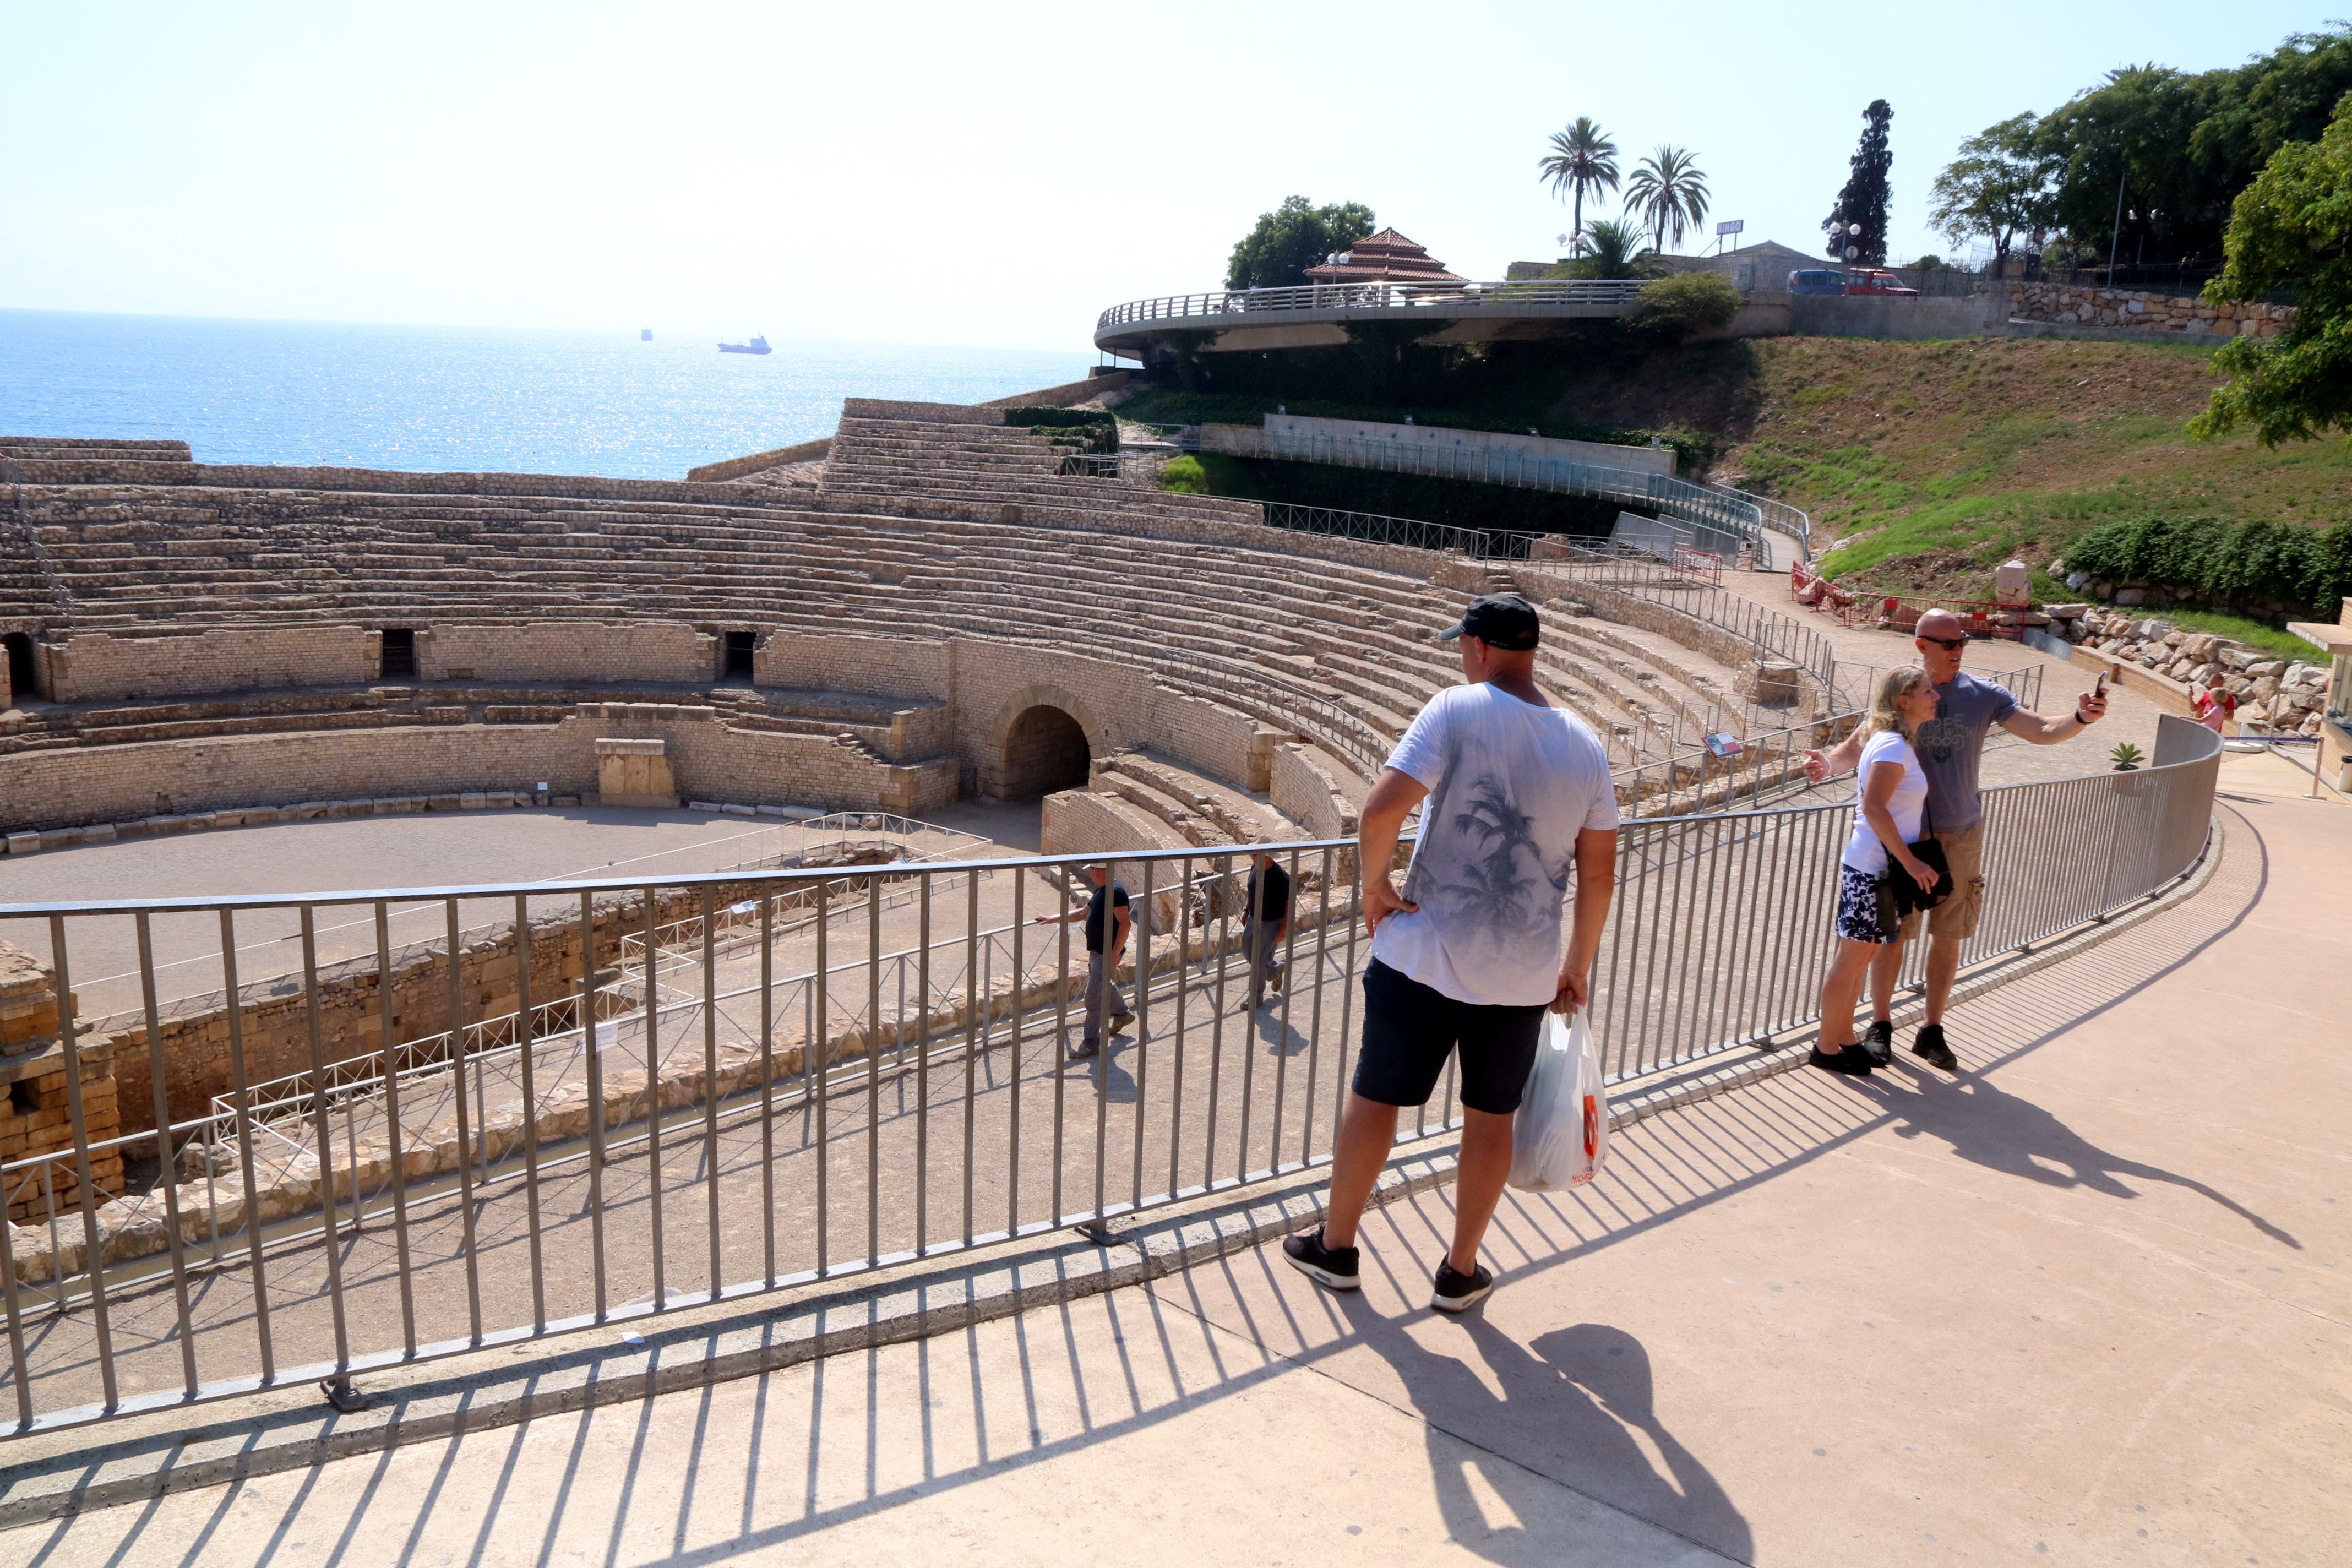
{"points": [[1154, 1356]]}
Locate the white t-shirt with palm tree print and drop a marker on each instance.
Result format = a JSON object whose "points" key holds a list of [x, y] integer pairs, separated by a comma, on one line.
{"points": [[1511, 784]]}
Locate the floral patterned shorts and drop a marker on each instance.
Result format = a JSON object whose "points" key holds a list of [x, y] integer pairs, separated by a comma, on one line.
{"points": [[1857, 910]]}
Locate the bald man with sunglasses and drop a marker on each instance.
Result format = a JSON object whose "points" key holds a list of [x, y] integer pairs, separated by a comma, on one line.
{"points": [[1949, 748]]}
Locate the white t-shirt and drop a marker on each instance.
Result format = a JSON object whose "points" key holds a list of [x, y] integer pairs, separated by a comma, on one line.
{"points": [[1511, 784], [1863, 852]]}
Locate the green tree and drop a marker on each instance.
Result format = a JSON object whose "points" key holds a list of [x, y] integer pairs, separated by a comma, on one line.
{"points": [[1613, 250], [1998, 186], [1669, 190], [1675, 310], [1863, 200], [2292, 230], [2182, 145], [1293, 237], [1582, 162]]}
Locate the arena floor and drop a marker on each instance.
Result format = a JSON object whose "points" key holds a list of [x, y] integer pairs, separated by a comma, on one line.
{"points": [[420, 850]]}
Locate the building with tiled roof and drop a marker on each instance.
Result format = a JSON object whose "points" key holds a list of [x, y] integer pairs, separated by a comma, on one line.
{"points": [[1387, 256]]}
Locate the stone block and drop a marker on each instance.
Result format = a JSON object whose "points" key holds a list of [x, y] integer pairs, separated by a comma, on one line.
{"points": [[24, 844]]}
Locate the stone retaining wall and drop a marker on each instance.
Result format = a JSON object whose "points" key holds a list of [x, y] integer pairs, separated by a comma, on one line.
{"points": [[564, 650], [102, 666], [2069, 304]]}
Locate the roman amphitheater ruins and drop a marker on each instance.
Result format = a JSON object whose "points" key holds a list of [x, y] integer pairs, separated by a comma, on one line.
{"points": [[900, 689]]}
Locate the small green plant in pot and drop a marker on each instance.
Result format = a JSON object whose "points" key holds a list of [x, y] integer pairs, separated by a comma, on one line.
{"points": [[2126, 758]]}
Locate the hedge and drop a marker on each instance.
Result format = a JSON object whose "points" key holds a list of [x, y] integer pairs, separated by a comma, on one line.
{"points": [[2263, 566], [1072, 429]]}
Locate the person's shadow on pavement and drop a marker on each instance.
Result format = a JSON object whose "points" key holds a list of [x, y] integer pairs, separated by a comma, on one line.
{"points": [[2018, 1138], [1570, 1405]]}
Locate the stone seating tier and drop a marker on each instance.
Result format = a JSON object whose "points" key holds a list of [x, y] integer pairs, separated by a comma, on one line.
{"points": [[934, 524], [105, 567]]}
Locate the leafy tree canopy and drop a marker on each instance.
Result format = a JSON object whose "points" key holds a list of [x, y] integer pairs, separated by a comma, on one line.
{"points": [[1614, 249], [1293, 237], [2292, 230], [2184, 145], [1863, 200], [1998, 186]]}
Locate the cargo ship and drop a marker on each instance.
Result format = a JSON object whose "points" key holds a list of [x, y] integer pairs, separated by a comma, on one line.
{"points": [[756, 346]]}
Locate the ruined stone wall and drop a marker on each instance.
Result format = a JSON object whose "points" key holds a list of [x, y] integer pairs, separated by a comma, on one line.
{"points": [[567, 651], [882, 667], [70, 786], [98, 666]]}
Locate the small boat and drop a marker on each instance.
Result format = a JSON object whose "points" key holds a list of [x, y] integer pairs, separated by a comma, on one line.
{"points": [[646, 335], [756, 346]]}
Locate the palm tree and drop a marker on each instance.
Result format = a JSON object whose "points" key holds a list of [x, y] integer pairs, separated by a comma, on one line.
{"points": [[1617, 251], [1668, 189], [1582, 159]]}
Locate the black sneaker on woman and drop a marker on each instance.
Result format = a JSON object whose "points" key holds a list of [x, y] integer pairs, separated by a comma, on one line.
{"points": [[1333, 1267], [1852, 1061]]}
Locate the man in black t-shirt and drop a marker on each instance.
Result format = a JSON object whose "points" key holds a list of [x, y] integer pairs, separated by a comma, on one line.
{"points": [[1100, 987], [1266, 918]]}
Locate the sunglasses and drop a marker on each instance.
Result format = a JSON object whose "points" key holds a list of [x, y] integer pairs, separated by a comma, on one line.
{"points": [[1950, 644]]}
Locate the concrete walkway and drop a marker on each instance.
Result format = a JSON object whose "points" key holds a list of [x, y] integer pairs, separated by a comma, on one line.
{"points": [[2089, 1301]]}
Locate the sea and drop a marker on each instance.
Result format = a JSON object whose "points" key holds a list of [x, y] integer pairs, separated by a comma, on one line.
{"points": [[464, 398]]}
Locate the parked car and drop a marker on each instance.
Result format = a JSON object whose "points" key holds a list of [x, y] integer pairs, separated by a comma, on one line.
{"points": [[1816, 280], [1875, 280]]}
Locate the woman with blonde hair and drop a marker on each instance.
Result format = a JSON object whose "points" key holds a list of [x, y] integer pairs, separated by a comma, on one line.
{"points": [[1891, 797]]}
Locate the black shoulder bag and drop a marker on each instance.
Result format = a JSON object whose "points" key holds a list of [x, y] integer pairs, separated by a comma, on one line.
{"points": [[1898, 895]]}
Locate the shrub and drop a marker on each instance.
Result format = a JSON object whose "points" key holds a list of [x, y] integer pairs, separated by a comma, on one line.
{"points": [[1185, 476], [1675, 310], [1072, 429], [2253, 566]]}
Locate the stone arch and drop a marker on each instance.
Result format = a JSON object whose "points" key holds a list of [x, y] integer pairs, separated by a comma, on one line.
{"points": [[24, 667], [1043, 738]]}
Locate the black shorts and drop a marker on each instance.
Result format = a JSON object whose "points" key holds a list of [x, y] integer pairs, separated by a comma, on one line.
{"points": [[1410, 1029]]}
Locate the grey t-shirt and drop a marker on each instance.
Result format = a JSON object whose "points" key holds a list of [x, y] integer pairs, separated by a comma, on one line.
{"points": [[1951, 745], [1511, 785]]}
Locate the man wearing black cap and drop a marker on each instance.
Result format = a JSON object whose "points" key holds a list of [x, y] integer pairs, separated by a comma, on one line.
{"points": [[1471, 954]]}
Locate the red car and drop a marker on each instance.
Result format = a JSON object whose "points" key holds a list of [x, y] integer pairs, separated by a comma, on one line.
{"points": [[1874, 281]]}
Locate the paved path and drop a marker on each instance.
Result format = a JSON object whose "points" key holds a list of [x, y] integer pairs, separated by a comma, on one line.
{"points": [[2090, 1301]]}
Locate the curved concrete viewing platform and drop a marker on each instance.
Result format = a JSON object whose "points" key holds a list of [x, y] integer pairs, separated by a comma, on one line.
{"points": [[1317, 315]]}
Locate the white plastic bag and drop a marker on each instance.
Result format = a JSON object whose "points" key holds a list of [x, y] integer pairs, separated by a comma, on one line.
{"points": [[1560, 1136]]}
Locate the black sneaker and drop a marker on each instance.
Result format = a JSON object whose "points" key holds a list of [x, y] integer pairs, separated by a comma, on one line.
{"points": [[1852, 1061], [1455, 1292], [1879, 1041], [1332, 1267], [1928, 1046]]}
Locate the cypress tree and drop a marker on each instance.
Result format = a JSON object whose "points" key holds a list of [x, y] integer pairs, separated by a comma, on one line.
{"points": [[1866, 194]]}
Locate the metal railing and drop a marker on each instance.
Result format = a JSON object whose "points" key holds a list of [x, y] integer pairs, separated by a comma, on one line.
{"points": [[717, 1146], [1477, 544], [1725, 510], [1593, 296], [1769, 633]]}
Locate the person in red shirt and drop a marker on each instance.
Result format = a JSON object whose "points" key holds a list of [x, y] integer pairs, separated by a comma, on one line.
{"points": [[2214, 707]]}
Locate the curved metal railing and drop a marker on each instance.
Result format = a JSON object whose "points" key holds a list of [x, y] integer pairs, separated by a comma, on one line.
{"points": [[1609, 297], [1729, 511], [886, 1120]]}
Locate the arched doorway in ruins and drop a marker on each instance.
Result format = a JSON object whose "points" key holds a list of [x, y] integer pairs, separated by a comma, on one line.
{"points": [[24, 668], [1044, 750]]}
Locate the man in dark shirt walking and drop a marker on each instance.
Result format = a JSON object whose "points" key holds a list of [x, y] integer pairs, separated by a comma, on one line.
{"points": [[1266, 920], [1100, 965]]}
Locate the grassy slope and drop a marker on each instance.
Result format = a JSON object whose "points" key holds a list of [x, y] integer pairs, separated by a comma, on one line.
{"points": [[1935, 461], [1932, 461]]}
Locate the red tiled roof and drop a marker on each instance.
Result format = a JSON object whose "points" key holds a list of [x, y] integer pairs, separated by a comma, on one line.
{"points": [[1385, 255]]}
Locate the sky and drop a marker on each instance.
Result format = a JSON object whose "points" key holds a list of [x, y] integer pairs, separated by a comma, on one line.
{"points": [[981, 175]]}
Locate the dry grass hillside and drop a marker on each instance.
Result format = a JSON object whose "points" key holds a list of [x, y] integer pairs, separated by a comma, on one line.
{"points": [[1934, 461]]}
